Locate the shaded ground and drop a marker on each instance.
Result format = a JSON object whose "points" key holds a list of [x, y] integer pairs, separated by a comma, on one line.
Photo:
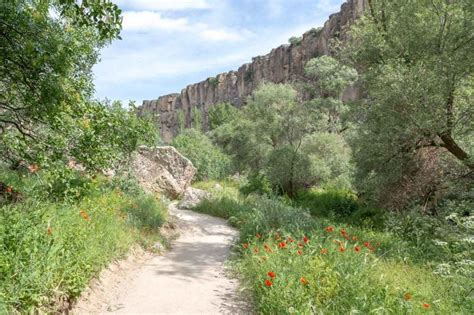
{"points": [[189, 279]]}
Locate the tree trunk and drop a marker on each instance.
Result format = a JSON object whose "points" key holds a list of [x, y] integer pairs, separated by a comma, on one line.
{"points": [[456, 150]]}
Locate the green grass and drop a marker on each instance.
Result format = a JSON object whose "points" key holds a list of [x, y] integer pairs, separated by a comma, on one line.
{"points": [[378, 272], [50, 250]]}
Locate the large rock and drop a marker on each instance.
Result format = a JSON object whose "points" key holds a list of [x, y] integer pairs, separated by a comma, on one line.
{"points": [[163, 170], [283, 64]]}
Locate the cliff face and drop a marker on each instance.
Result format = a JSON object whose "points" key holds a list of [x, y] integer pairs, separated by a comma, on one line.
{"points": [[282, 64]]}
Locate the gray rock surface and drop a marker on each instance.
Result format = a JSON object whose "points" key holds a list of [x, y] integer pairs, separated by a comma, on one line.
{"points": [[282, 64], [192, 196], [163, 170]]}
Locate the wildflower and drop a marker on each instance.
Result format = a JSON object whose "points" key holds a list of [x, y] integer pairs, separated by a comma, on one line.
{"points": [[324, 251], [367, 244], [258, 235], [255, 250], [341, 248], [305, 239], [426, 306], [357, 248], [271, 274], [268, 283], [304, 281], [343, 232], [299, 252], [267, 248], [245, 245], [300, 245], [290, 239], [407, 296], [9, 189], [354, 238], [33, 168], [329, 229], [84, 215], [282, 245]]}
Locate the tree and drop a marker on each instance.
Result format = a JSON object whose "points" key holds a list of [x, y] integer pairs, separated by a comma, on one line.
{"points": [[416, 58]]}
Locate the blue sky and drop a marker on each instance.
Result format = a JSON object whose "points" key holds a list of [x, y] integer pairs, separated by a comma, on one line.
{"points": [[168, 44]]}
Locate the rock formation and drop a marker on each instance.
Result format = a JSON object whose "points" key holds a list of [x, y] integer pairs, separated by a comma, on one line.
{"points": [[163, 170], [282, 64]]}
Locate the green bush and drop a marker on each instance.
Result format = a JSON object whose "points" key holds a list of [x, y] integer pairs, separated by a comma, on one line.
{"points": [[339, 202], [209, 160], [146, 212], [257, 183]]}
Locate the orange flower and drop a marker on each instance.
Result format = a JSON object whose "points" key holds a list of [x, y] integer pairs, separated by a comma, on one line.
{"points": [[9, 189], [343, 232], [305, 239], [300, 245], [245, 245], [329, 229], [282, 245], [426, 306], [304, 281], [324, 251], [290, 239], [271, 274], [50, 230], [258, 235], [33, 168], [407, 296], [357, 248], [267, 248], [299, 252], [84, 215], [268, 283], [341, 248], [367, 244], [256, 250]]}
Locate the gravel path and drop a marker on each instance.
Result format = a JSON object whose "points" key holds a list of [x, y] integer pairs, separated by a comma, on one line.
{"points": [[188, 279]]}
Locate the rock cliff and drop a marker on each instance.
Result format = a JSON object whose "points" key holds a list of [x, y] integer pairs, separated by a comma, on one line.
{"points": [[282, 64]]}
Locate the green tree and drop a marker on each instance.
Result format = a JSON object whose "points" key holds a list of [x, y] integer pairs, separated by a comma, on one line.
{"points": [[221, 114]]}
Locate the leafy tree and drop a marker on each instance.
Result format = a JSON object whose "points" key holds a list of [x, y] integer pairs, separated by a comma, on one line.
{"points": [[221, 114], [417, 61]]}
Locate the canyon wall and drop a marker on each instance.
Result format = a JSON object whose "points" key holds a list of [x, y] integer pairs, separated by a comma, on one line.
{"points": [[282, 64]]}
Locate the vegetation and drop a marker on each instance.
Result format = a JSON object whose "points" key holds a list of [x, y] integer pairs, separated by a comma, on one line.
{"points": [[295, 40]]}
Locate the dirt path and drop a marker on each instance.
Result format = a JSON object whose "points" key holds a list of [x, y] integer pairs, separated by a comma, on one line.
{"points": [[188, 279]]}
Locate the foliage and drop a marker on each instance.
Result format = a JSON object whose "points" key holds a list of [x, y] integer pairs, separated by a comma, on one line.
{"points": [[196, 118], [257, 183], [221, 114], [181, 120], [210, 162], [416, 60], [51, 250], [322, 202], [295, 40]]}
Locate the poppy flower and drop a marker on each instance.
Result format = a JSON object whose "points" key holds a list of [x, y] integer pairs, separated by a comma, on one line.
{"points": [[245, 245], [329, 229], [426, 306], [305, 239], [282, 245], [324, 251], [300, 245], [357, 248], [341, 248], [299, 252], [354, 238], [271, 274], [256, 250], [268, 283], [304, 281], [9, 189], [267, 248], [367, 244], [258, 235], [343, 232], [84, 215], [290, 239], [407, 296]]}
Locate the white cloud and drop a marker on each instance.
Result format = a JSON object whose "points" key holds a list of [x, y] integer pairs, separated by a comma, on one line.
{"points": [[164, 5], [148, 21]]}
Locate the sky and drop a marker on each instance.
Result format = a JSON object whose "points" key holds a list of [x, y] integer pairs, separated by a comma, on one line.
{"points": [[168, 44]]}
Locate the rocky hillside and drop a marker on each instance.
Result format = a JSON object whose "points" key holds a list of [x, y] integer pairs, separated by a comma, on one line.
{"points": [[282, 64]]}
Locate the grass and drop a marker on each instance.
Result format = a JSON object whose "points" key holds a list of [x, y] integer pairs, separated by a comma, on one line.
{"points": [[52, 248], [342, 268]]}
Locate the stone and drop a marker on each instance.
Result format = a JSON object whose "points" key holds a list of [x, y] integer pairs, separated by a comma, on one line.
{"points": [[192, 196], [162, 170], [283, 64]]}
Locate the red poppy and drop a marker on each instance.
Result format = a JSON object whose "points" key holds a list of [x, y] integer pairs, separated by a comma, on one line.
{"points": [[304, 281], [305, 239], [290, 239], [426, 306], [329, 229], [299, 252], [9, 189], [256, 250], [341, 248], [357, 248], [282, 245], [84, 215], [245, 245], [367, 244], [300, 245], [324, 251], [268, 283], [258, 235], [343, 232], [271, 274], [407, 296]]}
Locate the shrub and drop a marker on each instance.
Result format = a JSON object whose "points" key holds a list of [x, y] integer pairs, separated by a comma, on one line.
{"points": [[340, 202], [295, 40], [209, 160], [257, 183]]}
